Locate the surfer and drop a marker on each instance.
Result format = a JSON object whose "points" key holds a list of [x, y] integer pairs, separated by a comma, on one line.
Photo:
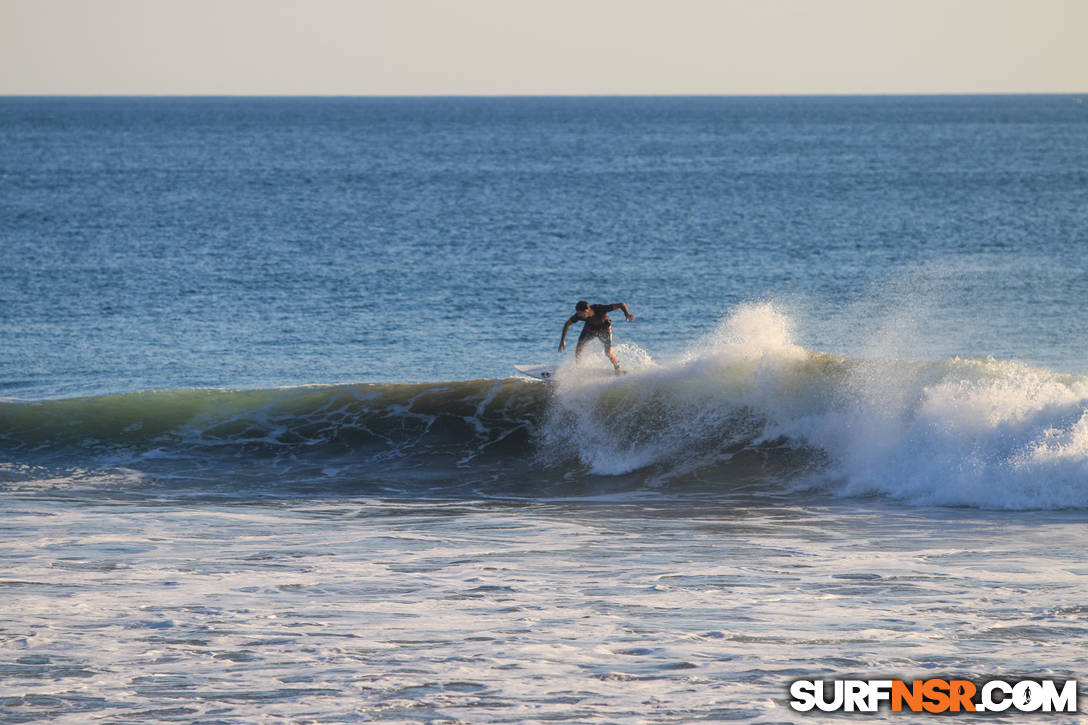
{"points": [[597, 325]]}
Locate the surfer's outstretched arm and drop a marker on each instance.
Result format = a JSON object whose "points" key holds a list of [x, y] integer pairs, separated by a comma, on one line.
{"points": [[626, 312], [563, 337]]}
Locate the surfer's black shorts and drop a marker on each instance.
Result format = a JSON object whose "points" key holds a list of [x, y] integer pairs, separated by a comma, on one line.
{"points": [[605, 336]]}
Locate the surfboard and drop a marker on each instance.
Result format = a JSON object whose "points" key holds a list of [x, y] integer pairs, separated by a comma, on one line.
{"points": [[547, 372], [540, 372]]}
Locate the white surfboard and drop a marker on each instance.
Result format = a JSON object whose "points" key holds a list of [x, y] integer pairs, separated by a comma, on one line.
{"points": [[540, 372]]}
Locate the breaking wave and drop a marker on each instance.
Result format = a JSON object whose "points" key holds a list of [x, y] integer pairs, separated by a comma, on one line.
{"points": [[746, 409]]}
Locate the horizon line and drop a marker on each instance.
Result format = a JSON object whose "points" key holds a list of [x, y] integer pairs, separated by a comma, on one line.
{"points": [[883, 94]]}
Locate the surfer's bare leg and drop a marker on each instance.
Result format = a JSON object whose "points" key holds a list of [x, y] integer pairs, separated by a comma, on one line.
{"points": [[611, 355], [606, 340]]}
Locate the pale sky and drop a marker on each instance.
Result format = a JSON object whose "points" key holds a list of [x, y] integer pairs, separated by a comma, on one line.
{"points": [[534, 47]]}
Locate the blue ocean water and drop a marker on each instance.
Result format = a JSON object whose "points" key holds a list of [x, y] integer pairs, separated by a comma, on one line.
{"points": [[161, 243], [262, 451]]}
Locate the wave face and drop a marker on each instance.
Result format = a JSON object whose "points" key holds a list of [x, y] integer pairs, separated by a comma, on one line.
{"points": [[746, 410], [370, 433]]}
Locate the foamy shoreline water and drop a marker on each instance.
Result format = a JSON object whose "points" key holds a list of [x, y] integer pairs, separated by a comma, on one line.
{"points": [[475, 611]]}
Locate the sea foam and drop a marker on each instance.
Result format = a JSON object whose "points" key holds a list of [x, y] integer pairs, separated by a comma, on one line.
{"points": [[973, 432]]}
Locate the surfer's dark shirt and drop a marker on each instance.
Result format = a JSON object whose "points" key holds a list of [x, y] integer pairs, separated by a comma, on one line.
{"points": [[599, 323]]}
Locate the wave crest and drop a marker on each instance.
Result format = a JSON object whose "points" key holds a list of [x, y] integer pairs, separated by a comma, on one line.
{"points": [[747, 407], [964, 432]]}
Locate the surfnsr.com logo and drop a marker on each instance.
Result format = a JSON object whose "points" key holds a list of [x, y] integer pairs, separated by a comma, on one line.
{"points": [[934, 695]]}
